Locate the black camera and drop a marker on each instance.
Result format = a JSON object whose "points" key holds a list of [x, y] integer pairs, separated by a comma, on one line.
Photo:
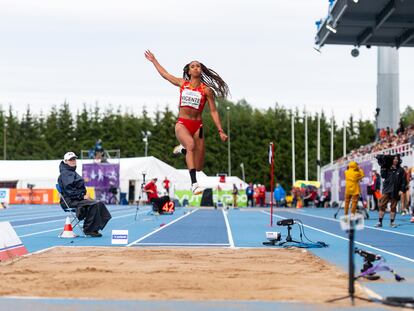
{"points": [[286, 222], [368, 256], [113, 190]]}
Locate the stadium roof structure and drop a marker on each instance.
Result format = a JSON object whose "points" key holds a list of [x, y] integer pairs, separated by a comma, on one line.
{"points": [[368, 22]]}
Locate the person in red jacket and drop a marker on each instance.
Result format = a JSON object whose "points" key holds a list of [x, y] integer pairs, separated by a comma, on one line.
{"points": [[151, 190], [198, 86], [152, 194], [166, 185]]}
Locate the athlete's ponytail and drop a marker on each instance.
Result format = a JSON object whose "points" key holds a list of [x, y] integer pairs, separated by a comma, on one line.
{"points": [[210, 78]]}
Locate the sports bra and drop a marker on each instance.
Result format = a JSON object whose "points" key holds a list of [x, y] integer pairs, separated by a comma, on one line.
{"points": [[194, 98]]}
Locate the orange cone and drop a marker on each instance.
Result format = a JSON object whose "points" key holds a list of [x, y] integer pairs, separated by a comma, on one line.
{"points": [[68, 230]]}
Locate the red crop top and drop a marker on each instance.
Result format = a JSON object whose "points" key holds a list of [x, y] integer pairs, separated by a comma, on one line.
{"points": [[193, 98]]}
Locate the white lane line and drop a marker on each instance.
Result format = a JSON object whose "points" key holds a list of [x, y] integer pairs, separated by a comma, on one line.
{"points": [[46, 222], [185, 244], [39, 223], [359, 243], [336, 220], [163, 227], [229, 233], [60, 228]]}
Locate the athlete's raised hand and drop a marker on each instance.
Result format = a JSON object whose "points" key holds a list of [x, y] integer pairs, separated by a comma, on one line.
{"points": [[148, 55], [223, 136]]}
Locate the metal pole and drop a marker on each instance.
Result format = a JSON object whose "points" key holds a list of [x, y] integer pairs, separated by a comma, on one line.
{"points": [[272, 162], [242, 168], [228, 140], [344, 139], [293, 150], [306, 146], [146, 146], [318, 150], [5, 140], [332, 139]]}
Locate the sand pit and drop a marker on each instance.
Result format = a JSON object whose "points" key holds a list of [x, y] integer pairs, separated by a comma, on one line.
{"points": [[171, 273]]}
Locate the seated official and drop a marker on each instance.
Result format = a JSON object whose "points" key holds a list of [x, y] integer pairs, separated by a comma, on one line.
{"points": [[152, 194], [94, 213]]}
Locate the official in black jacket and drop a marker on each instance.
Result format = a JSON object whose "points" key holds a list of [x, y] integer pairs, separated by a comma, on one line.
{"points": [[393, 187], [94, 213]]}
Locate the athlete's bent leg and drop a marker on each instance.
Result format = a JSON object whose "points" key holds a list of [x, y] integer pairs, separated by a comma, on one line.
{"points": [[199, 149]]}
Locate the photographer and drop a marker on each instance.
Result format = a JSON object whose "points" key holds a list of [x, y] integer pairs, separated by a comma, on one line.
{"points": [[394, 186]]}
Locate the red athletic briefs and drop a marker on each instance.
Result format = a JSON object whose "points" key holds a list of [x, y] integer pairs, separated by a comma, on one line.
{"points": [[191, 125]]}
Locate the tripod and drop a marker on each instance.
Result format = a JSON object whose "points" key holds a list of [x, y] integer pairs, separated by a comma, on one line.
{"points": [[351, 268], [288, 237], [140, 195]]}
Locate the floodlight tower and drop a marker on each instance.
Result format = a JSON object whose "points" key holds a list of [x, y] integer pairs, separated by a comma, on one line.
{"points": [[388, 101]]}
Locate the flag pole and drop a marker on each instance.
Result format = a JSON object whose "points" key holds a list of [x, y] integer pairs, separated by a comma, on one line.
{"points": [[272, 164]]}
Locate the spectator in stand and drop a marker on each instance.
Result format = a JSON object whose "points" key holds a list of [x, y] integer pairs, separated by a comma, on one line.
{"points": [[383, 134], [388, 131], [401, 129], [353, 175], [325, 198], [310, 196], [250, 194], [279, 195], [257, 194], [262, 195], [166, 185], [295, 192], [375, 187], [405, 197]]}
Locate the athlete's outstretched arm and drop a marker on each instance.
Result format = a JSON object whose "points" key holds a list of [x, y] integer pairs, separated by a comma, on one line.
{"points": [[164, 73], [214, 114]]}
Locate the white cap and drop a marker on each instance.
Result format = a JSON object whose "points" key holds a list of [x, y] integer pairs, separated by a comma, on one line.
{"points": [[69, 155]]}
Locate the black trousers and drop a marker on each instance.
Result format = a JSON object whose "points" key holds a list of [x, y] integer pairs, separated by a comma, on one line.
{"points": [[250, 199], [94, 213], [158, 203]]}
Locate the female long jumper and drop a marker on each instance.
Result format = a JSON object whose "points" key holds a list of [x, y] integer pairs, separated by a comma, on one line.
{"points": [[198, 85]]}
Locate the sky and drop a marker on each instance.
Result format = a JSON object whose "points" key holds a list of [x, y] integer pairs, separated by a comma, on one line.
{"points": [[92, 51]]}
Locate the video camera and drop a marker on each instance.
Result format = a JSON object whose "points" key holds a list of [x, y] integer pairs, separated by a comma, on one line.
{"points": [[368, 256], [286, 222]]}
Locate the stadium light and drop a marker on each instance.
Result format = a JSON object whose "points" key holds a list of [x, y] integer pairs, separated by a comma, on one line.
{"points": [[330, 28], [355, 52], [146, 134], [355, 1]]}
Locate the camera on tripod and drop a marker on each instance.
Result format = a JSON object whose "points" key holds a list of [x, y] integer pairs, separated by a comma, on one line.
{"points": [[286, 222], [369, 258]]}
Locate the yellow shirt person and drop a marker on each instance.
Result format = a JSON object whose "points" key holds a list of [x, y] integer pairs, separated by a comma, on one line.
{"points": [[353, 176]]}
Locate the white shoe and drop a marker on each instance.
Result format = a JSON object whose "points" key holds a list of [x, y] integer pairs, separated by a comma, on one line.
{"points": [[178, 150], [196, 189]]}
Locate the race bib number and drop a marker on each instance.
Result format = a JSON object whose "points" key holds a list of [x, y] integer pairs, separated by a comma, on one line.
{"points": [[190, 98]]}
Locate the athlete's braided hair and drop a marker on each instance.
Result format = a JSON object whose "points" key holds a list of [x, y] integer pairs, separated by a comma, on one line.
{"points": [[210, 78]]}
